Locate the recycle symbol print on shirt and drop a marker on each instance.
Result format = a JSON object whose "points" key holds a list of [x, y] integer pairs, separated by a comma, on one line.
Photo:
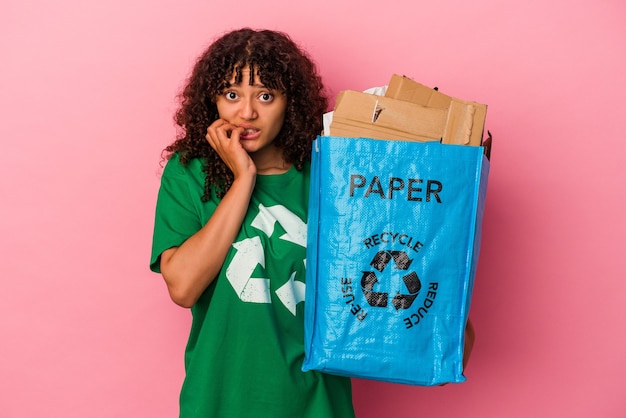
{"points": [[381, 262], [249, 254]]}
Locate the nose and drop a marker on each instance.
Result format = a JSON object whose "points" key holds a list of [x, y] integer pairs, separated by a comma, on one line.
{"points": [[248, 109]]}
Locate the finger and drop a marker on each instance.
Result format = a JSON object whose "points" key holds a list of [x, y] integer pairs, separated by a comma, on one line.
{"points": [[217, 132], [235, 132], [225, 131], [218, 124]]}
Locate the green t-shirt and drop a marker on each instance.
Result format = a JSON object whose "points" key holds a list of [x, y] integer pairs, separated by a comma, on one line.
{"points": [[246, 346]]}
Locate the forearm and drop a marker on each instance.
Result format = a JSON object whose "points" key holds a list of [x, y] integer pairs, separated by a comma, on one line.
{"points": [[189, 269], [470, 336]]}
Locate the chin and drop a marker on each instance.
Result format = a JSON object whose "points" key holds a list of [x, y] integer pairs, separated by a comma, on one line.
{"points": [[249, 148]]}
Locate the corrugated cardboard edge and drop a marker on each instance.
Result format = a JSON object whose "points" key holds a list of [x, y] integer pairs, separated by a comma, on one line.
{"points": [[380, 117], [466, 119]]}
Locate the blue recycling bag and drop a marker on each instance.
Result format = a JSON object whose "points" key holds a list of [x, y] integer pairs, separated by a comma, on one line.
{"points": [[393, 242]]}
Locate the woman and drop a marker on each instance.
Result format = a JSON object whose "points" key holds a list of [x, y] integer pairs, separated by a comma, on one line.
{"points": [[230, 230]]}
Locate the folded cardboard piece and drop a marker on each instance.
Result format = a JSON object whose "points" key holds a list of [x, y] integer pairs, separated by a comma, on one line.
{"points": [[378, 117], [408, 111]]}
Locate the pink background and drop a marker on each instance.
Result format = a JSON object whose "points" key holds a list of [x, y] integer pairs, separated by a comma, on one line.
{"points": [[87, 92]]}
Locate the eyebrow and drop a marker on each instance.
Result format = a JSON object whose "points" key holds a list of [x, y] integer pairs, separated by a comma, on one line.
{"points": [[259, 86]]}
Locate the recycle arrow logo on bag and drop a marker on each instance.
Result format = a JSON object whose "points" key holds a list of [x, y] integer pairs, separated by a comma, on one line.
{"points": [[401, 261]]}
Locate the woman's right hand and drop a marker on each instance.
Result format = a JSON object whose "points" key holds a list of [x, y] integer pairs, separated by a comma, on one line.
{"points": [[224, 139], [190, 268]]}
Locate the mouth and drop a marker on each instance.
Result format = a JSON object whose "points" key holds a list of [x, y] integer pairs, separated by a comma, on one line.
{"points": [[249, 133]]}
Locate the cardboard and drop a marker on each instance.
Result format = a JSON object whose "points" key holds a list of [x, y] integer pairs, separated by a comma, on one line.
{"points": [[403, 88], [408, 111], [370, 116], [466, 119]]}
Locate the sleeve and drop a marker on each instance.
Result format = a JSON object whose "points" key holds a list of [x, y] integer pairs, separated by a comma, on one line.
{"points": [[177, 216]]}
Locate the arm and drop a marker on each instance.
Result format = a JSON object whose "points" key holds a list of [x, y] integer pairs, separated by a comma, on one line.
{"points": [[469, 344], [470, 336], [190, 268]]}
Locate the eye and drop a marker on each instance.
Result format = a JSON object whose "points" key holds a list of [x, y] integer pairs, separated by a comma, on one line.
{"points": [[266, 97], [230, 95]]}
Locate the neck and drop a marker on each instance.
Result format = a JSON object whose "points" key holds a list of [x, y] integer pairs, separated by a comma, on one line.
{"points": [[270, 161], [273, 169]]}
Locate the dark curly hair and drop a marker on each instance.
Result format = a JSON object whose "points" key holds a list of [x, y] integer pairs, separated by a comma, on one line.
{"points": [[281, 65]]}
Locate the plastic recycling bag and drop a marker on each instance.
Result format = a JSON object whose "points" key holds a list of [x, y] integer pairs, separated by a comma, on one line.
{"points": [[393, 242]]}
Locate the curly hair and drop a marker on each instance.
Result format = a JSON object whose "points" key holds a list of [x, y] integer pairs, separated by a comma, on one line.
{"points": [[281, 65]]}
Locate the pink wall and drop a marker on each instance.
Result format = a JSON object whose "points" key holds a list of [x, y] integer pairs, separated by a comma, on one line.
{"points": [[86, 97]]}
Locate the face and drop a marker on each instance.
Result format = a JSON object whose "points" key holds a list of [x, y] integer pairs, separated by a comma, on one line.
{"points": [[257, 109]]}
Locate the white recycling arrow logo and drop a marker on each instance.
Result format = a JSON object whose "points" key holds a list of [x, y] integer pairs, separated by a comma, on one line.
{"points": [[266, 220], [250, 254], [291, 293]]}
